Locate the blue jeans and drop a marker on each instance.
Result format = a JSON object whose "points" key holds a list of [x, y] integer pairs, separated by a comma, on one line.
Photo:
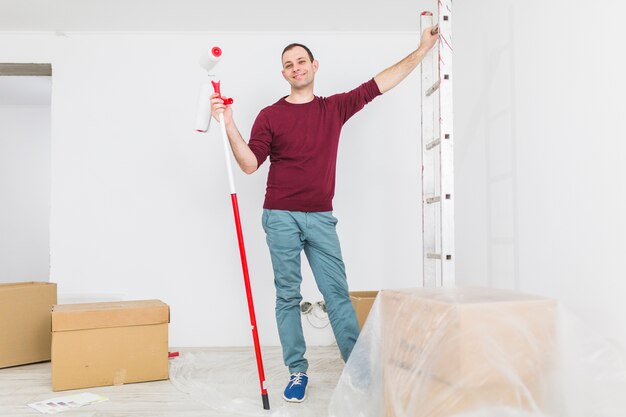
{"points": [[288, 233]]}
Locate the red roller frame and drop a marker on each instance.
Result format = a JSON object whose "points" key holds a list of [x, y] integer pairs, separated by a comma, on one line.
{"points": [[242, 249], [246, 279]]}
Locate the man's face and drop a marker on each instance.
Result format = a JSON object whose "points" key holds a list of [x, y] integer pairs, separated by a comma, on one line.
{"points": [[298, 69]]}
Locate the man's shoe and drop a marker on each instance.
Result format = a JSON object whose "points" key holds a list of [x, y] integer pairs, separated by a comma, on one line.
{"points": [[296, 388]]}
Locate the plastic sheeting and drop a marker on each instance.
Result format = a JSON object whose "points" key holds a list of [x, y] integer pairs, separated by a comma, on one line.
{"points": [[226, 381], [478, 353], [434, 353]]}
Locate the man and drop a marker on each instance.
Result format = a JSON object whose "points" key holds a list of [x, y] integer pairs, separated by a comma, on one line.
{"points": [[300, 134]]}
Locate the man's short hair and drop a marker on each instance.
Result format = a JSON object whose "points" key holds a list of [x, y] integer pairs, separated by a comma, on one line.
{"points": [[293, 45]]}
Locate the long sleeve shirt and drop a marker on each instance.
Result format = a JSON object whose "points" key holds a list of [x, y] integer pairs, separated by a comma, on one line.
{"points": [[301, 141]]}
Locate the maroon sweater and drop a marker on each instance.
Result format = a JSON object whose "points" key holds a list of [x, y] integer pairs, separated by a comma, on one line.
{"points": [[301, 141]]}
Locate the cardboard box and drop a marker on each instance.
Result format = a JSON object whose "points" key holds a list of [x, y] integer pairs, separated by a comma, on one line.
{"points": [[362, 302], [469, 346], [25, 322], [109, 343], [435, 398]]}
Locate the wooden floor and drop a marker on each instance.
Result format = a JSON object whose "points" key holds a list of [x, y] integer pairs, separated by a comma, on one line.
{"points": [[206, 382]]}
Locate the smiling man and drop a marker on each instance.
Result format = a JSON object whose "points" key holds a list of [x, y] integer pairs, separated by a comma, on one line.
{"points": [[300, 134]]}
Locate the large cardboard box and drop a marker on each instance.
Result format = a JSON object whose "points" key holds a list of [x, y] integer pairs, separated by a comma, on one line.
{"points": [[25, 322], [362, 302], [447, 351], [109, 343]]}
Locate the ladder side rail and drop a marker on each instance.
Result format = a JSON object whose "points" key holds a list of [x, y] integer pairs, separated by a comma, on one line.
{"points": [[429, 225], [447, 143]]}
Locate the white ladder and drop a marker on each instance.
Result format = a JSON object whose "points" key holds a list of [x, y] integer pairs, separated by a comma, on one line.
{"points": [[437, 154]]}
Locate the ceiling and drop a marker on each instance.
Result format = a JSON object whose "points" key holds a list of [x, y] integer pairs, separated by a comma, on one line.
{"points": [[211, 15]]}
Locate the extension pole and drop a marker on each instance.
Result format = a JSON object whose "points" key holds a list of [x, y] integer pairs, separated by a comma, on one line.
{"points": [[244, 262], [203, 122]]}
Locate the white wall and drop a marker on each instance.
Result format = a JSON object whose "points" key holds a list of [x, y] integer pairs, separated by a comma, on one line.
{"points": [[140, 204], [540, 149], [24, 188]]}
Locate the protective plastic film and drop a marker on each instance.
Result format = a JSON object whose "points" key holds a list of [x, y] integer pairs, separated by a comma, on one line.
{"points": [[226, 381], [480, 353]]}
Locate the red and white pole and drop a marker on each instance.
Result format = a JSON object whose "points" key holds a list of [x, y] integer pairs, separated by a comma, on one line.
{"points": [[242, 249]]}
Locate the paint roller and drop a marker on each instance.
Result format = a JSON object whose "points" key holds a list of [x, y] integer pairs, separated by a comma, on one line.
{"points": [[203, 121], [208, 60]]}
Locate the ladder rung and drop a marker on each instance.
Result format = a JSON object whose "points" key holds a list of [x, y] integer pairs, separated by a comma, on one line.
{"points": [[432, 144], [431, 255], [434, 199], [434, 88]]}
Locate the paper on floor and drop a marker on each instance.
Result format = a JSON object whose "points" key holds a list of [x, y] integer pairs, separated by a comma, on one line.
{"points": [[58, 404]]}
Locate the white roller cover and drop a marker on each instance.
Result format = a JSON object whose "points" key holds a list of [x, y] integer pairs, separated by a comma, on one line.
{"points": [[203, 118], [210, 58]]}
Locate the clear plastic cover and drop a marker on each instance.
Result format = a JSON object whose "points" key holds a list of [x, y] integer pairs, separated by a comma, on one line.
{"points": [[226, 380], [480, 353], [461, 352]]}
